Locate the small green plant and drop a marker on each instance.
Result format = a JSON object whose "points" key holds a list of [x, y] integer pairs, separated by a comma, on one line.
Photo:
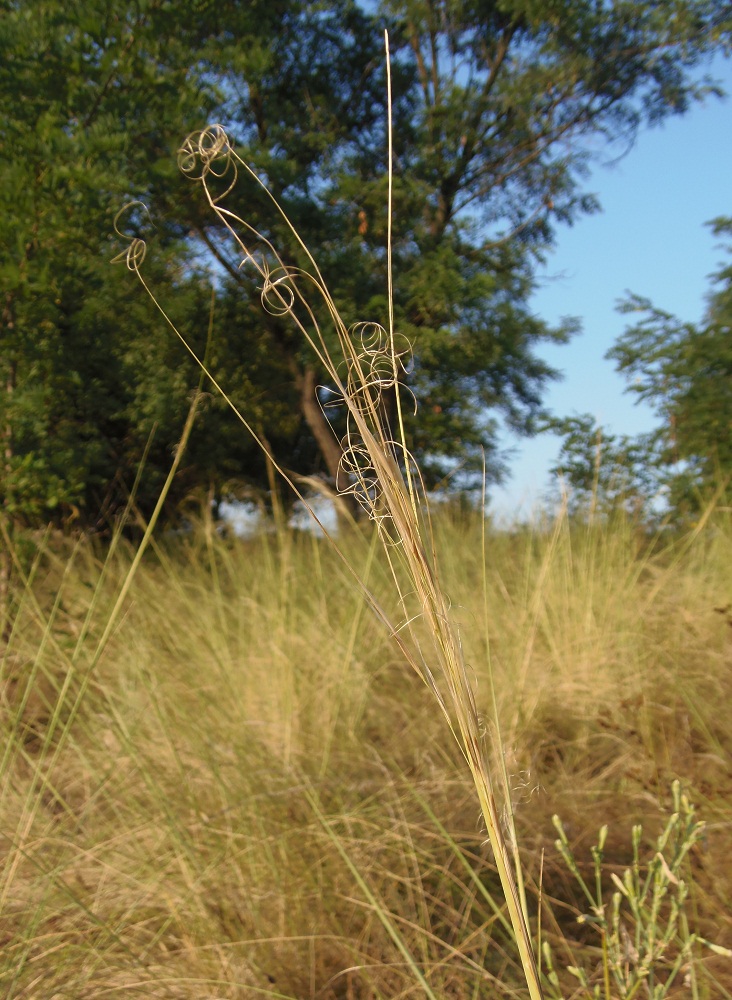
{"points": [[644, 931]]}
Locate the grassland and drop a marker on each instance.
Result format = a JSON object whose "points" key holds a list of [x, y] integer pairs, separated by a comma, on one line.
{"points": [[243, 791]]}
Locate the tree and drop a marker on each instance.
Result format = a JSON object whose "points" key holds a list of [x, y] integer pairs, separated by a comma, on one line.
{"points": [[601, 472], [495, 106], [507, 95], [96, 97], [684, 371]]}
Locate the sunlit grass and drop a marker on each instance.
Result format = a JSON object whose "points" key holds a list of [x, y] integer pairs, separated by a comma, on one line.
{"points": [[251, 794]]}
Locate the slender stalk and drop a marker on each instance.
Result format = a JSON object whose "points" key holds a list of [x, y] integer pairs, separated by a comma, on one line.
{"points": [[390, 274]]}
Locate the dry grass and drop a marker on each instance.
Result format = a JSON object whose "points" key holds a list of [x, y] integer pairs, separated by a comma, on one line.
{"points": [[365, 364], [253, 795]]}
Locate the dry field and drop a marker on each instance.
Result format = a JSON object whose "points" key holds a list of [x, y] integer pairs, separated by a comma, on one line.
{"points": [[242, 791]]}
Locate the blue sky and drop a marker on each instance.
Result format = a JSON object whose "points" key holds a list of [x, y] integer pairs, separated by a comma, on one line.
{"points": [[649, 238]]}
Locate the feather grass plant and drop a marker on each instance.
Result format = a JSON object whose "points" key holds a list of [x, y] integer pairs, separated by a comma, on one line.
{"points": [[380, 474]]}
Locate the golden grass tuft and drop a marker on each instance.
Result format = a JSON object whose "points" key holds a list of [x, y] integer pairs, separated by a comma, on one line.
{"points": [[253, 795]]}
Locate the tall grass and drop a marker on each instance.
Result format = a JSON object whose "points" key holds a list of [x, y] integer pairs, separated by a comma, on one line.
{"points": [[254, 798], [364, 364], [220, 779]]}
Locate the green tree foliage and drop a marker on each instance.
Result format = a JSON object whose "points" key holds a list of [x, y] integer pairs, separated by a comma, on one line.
{"points": [[602, 473], [496, 103], [95, 97], [684, 371], [504, 98]]}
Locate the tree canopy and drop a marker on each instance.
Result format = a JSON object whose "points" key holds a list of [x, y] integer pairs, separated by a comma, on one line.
{"points": [[684, 370], [497, 105]]}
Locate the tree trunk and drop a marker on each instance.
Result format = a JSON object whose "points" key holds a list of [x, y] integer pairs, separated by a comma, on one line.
{"points": [[347, 507], [329, 447]]}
